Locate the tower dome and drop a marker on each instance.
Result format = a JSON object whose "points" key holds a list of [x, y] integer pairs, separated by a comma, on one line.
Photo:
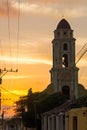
{"points": [[63, 24]]}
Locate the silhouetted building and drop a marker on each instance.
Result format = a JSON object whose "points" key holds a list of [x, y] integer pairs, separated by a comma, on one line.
{"points": [[64, 73], [64, 79]]}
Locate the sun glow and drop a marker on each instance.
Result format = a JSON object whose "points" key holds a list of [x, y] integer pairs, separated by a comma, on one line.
{"points": [[25, 60]]}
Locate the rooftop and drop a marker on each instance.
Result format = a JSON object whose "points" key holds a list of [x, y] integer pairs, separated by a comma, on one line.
{"points": [[63, 24]]}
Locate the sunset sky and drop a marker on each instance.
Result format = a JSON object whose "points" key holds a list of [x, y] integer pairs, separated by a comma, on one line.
{"points": [[25, 41]]}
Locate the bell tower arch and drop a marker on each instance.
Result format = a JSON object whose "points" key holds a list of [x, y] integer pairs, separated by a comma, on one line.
{"points": [[64, 71]]}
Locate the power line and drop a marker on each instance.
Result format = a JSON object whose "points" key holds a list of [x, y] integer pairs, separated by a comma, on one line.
{"points": [[83, 69], [2, 52], [81, 49], [8, 14], [81, 53], [18, 31], [10, 92]]}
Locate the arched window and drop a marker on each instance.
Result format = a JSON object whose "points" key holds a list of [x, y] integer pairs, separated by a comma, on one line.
{"points": [[65, 60], [65, 47]]}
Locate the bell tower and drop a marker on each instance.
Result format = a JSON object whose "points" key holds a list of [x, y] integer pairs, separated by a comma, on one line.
{"points": [[64, 73]]}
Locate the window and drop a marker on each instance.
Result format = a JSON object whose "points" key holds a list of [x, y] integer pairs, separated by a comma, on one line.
{"points": [[71, 34], [58, 33], [65, 33], [65, 47], [75, 123], [56, 43], [65, 60]]}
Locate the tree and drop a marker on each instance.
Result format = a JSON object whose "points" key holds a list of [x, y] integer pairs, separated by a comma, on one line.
{"points": [[36, 104]]}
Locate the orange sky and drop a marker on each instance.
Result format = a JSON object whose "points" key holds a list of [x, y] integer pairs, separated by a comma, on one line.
{"points": [[31, 54]]}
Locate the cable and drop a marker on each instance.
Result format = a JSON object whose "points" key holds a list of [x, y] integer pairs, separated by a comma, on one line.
{"points": [[9, 28], [10, 92], [2, 52], [81, 49], [81, 56], [81, 53], [83, 69], [18, 33]]}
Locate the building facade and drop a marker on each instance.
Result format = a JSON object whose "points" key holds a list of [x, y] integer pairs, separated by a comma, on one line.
{"points": [[56, 119], [77, 119], [59, 119]]}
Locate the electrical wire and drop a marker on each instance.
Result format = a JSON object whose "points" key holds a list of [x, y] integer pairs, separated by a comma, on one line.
{"points": [[9, 38], [18, 31], [81, 49], [9, 33], [9, 92], [83, 69], [81, 53], [2, 52], [8, 14]]}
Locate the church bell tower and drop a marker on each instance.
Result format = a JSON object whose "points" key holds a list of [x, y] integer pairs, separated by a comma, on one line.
{"points": [[64, 73]]}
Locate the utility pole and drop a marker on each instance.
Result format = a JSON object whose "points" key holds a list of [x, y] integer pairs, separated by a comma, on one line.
{"points": [[4, 72]]}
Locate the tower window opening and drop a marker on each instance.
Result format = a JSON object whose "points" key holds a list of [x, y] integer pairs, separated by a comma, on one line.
{"points": [[65, 60], [71, 34], [65, 46], [65, 33], [56, 59], [58, 33], [56, 43]]}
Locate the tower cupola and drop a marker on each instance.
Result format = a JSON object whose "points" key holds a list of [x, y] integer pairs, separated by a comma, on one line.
{"points": [[63, 24], [63, 30]]}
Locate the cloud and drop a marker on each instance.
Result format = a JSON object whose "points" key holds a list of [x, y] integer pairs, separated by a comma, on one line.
{"points": [[53, 8], [25, 60], [65, 2], [2, 11], [59, 9], [16, 77], [8, 6], [41, 1]]}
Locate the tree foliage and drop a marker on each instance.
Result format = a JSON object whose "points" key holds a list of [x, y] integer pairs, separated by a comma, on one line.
{"points": [[33, 105]]}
